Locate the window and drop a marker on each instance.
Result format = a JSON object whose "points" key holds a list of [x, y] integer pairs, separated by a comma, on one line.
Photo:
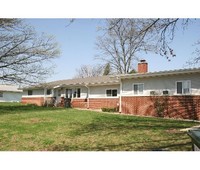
{"points": [[138, 88], [30, 92], [1, 94], [183, 87], [48, 91], [77, 93], [111, 92]]}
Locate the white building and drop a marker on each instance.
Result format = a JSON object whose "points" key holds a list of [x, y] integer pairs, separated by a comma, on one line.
{"points": [[10, 93]]}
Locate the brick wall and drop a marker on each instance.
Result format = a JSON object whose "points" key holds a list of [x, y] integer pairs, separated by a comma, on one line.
{"points": [[96, 103], [184, 107], [104, 102], [33, 100], [79, 103]]}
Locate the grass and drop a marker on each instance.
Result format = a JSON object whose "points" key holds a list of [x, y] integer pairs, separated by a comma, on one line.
{"points": [[32, 128]]}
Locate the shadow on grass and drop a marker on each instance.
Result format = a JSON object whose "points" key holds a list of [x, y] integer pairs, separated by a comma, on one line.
{"points": [[151, 145], [19, 108], [168, 147], [110, 125], [140, 133]]}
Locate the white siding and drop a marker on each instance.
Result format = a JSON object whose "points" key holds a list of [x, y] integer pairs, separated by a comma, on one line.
{"points": [[158, 84], [84, 92], [100, 91], [11, 97], [40, 92], [95, 91], [36, 92]]}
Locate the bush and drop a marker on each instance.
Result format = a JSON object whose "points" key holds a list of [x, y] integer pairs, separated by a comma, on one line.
{"points": [[104, 109], [31, 105]]}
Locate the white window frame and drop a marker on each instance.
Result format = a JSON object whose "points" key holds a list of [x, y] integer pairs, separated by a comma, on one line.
{"points": [[76, 90], [139, 93], [111, 93], [182, 81]]}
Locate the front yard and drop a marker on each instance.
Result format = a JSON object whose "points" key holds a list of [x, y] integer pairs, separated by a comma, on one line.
{"points": [[32, 128]]}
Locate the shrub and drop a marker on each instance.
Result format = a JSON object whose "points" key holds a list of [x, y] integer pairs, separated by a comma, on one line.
{"points": [[105, 109]]}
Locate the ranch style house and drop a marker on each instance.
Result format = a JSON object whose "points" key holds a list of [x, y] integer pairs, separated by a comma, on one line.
{"points": [[173, 94]]}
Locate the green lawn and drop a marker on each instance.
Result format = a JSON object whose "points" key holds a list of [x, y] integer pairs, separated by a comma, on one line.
{"points": [[32, 128]]}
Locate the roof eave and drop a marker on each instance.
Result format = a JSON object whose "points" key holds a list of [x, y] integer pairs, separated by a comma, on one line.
{"points": [[159, 74]]}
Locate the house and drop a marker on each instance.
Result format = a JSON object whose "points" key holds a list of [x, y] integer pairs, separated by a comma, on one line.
{"points": [[90, 92], [174, 93], [10, 93]]}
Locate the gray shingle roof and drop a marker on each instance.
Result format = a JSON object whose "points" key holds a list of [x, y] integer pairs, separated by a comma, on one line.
{"points": [[88, 81], [10, 88], [104, 80]]}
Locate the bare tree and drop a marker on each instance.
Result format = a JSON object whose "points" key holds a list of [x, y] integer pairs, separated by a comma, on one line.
{"points": [[120, 44], [89, 71], [25, 56], [195, 60], [8, 23], [161, 32]]}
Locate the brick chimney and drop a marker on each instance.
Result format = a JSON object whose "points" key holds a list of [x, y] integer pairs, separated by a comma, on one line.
{"points": [[142, 66]]}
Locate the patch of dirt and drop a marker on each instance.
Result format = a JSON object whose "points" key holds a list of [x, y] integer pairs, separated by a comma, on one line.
{"points": [[35, 121], [173, 131]]}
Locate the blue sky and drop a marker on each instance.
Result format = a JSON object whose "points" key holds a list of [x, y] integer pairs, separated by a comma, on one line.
{"points": [[77, 44]]}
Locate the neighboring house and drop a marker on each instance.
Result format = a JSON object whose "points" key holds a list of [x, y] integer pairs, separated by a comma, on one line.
{"points": [[10, 93], [174, 93]]}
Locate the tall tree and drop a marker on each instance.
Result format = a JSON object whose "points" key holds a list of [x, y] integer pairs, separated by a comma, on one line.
{"points": [[25, 56], [120, 44]]}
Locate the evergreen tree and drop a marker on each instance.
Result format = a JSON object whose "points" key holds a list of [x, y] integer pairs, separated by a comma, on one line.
{"points": [[107, 69]]}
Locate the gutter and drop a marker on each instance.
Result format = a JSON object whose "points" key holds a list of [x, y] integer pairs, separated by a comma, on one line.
{"points": [[158, 74]]}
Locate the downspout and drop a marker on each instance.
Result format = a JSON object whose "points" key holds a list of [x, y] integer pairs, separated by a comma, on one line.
{"points": [[44, 96], [88, 100], [52, 92], [52, 97], [120, 97]]}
